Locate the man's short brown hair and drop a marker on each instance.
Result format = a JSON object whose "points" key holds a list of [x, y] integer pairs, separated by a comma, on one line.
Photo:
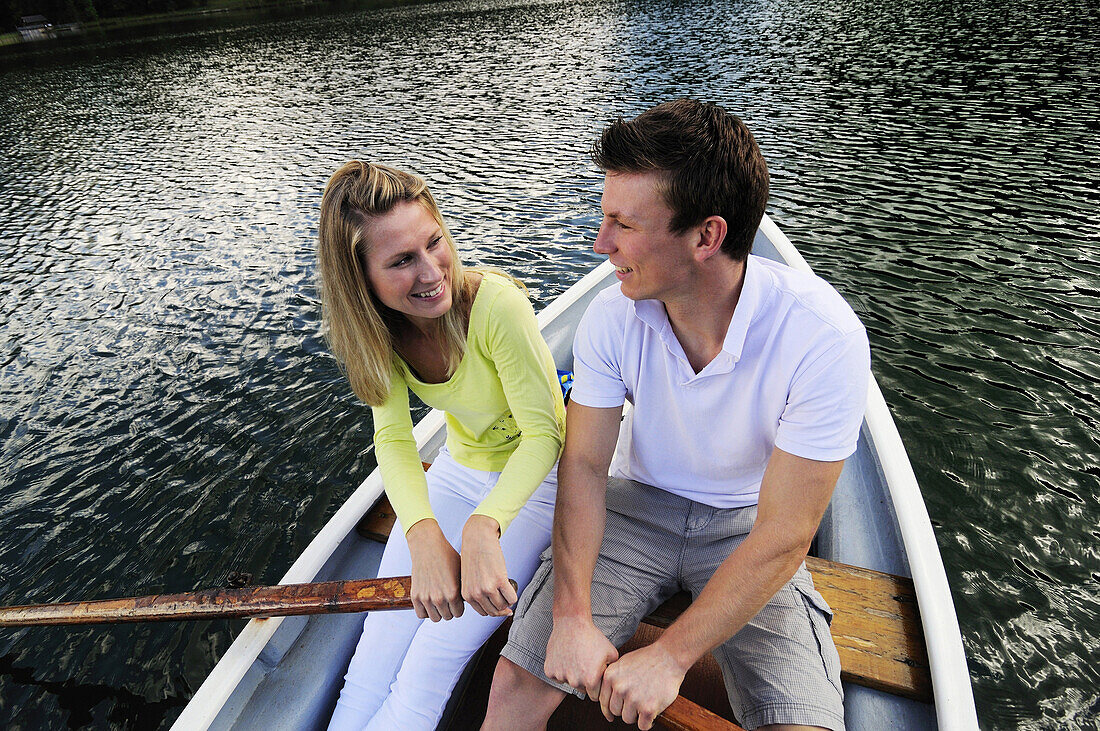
{"points": [[709, 161]]}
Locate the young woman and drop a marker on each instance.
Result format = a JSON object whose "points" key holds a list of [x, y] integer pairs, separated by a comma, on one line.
{"points": [[402, 314]]}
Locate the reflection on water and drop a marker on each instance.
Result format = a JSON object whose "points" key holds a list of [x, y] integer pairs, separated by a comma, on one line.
{"points": [[169, 413]]}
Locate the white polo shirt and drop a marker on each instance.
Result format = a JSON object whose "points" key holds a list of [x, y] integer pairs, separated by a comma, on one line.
{"points": [[792, 373]]}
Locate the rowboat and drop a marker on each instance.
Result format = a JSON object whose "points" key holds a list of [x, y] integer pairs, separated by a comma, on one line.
{"points": [[286, 672]]}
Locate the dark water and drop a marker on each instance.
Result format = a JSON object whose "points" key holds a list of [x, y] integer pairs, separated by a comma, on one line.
{"points": [[169, 413]]}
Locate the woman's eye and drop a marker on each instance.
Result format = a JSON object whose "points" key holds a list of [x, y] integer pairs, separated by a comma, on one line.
{"points": [[402, 261], [434, 242]]}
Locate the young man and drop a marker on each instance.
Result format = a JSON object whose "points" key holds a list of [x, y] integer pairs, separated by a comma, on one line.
{"points": [[748, 382]]}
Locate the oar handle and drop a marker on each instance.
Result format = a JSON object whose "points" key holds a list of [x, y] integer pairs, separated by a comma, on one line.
{"points": [[366, 595], [329, 597]]}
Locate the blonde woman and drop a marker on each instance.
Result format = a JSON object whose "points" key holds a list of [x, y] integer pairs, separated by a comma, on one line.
{"points": [[403, 314]]}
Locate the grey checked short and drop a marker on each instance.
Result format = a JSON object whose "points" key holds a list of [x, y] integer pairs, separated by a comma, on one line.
{"points": [[782, 667]]}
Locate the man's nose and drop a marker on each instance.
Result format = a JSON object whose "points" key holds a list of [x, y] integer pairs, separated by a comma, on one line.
{"points": [[603, 243]]}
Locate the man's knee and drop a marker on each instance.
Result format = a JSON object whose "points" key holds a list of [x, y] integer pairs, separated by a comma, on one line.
{"points": [[509, 676], [510, 679], [519, 699]]}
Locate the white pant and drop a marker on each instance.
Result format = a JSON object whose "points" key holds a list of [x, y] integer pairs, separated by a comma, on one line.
{"points": [[404, 668]]}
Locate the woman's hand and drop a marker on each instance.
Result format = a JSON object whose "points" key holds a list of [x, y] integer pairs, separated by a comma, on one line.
{"points": [[485, 582], [435, 567]]}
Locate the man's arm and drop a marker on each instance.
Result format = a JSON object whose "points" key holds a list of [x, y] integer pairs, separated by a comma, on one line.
{"points": [[793, 496], [578, 652]]}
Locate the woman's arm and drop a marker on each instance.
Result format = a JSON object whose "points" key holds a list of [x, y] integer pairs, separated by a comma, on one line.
{"points": [[398, 458], [529, 381], [531, 388], [436, 588]]}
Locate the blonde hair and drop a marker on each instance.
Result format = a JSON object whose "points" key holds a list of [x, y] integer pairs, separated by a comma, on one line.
{"points": [[360, 330]]}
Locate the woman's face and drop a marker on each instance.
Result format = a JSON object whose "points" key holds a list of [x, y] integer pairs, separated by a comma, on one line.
{"points": [[409, 263]]}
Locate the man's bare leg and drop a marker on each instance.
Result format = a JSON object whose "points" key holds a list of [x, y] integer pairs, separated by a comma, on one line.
{"points": [[519, 700]]}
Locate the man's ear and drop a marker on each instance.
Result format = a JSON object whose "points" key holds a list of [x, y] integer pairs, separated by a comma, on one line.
{"points": [[712, 233]]}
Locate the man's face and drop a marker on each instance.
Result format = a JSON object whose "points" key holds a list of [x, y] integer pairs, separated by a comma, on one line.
{"points": [[650, 260]]}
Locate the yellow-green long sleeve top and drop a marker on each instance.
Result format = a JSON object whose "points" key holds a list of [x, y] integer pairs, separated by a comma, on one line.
{"points": [[503, 406]]}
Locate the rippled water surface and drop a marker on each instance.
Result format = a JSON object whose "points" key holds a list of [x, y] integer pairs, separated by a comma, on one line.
{"points": [[169, 413]]}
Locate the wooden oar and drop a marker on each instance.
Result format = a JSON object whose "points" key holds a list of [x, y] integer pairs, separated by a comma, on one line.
{"points": [[365, 595], [685, 715]]}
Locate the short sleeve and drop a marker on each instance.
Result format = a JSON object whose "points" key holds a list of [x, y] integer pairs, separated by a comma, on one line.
{"points": [[827, 401], [597, 357]]}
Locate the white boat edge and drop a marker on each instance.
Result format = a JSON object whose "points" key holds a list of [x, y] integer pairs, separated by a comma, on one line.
{"points": [[951, 684], [954, 701]]}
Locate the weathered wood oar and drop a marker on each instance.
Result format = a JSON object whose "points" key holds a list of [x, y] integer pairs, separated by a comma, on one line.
{"points": [[365, 595], [685, 715]]}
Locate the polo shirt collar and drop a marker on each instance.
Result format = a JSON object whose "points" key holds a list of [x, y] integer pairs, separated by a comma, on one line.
{"points": [[652, 313], [753, 297], [754, 294]]}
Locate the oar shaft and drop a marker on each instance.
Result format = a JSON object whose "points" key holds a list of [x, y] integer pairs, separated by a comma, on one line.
{"points": [[685, 715], [365, 595]]}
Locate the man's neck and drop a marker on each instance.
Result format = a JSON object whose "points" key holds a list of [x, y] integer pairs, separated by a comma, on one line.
{"points": [[700, 317]]}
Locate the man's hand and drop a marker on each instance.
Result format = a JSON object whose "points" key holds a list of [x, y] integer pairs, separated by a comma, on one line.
{"points": [[577, 655], [435, 579], [485, 582], [640, 685]]}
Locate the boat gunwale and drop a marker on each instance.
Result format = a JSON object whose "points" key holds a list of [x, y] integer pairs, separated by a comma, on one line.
{"points": [[951, 685]]}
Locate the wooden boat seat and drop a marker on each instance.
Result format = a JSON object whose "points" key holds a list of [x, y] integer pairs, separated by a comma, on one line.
{"points": [[876, 628]]}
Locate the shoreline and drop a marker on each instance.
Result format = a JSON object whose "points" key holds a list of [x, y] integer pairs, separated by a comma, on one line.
{"points": [[216, 9]]}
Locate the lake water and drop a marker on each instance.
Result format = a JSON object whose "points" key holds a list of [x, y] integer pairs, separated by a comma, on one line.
{"points": [[169, 413]]}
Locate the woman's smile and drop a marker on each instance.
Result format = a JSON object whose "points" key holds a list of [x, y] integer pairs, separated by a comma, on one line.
{"points": [[432, 293]]}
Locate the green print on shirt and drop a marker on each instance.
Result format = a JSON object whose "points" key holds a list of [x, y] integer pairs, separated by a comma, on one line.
{"points": [[507, 426]]}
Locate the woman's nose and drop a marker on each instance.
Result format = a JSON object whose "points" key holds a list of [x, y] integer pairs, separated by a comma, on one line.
{"points": [[430, 270]]}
